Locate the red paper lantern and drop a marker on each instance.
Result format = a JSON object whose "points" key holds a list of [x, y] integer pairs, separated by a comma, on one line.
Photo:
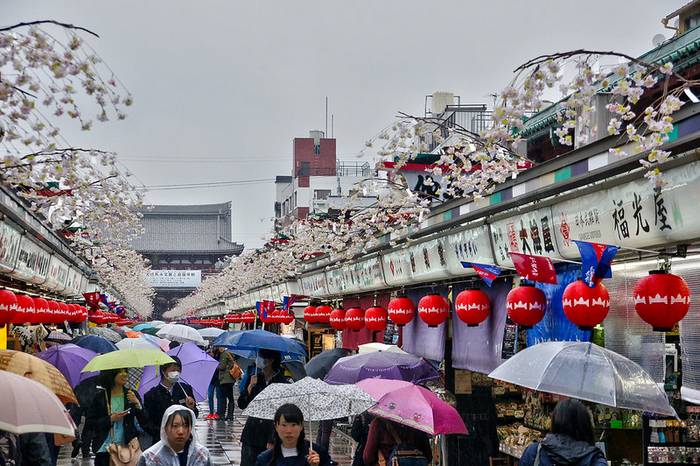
{"points": [[375, 318], [337, 319], [433, 309], [248, 318], [323, 314], [401, 310], [8, 306], [472, 307], [64, 312], [585, 306], [526, 305], [355, 319], [52, 313], [310, 314], [25, 309], [41, 311], [661, 299], [287, 317]]}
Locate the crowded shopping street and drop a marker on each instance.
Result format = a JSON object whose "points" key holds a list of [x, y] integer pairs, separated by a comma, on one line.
{"points": [[367, 233]]}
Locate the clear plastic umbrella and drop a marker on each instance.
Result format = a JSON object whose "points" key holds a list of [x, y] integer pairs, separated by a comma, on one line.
{"points": [[181, 334], [585, 371]]}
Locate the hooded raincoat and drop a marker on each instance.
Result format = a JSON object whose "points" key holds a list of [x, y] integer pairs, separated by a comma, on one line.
{"points": [[162, 454]]}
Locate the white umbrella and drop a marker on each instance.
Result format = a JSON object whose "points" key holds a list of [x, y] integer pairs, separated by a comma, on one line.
{"points": [[180, 333], [318, 400], [210, 332], [29, 406], [585, 371], [136, 343], [157, 323], [376, 347]]}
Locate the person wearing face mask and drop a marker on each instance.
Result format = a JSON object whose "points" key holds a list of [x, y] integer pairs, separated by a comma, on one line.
{"points": [[258, 434], [170, 391]]}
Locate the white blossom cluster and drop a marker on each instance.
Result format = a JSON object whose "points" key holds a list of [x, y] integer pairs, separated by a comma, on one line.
{"points": [[80, 192]]}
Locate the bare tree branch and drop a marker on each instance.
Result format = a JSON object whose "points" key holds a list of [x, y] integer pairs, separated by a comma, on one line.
{"points": [[48, 21]]}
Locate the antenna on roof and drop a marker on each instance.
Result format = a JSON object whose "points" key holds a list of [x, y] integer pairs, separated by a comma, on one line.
{"points": [[658, 40]]}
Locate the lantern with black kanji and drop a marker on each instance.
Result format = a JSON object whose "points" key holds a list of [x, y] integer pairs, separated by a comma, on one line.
{"points": [[526, 305], [433, 309], [323, 314], [586, 307], [661, 299], [8, 306], [401, 310], [472, 307], [337, 319], [354, 319], [310, 314], [375, 318]]}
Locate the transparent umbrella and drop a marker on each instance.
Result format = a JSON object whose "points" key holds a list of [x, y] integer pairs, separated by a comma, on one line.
{"points": [[585, 371]]}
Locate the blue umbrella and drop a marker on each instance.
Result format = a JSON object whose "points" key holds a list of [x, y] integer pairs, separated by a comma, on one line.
{"points": [[140, 327], [95, 343], [258, 339]]}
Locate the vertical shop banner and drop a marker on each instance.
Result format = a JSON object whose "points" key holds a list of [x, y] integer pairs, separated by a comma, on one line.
{"points": [[428, 260], [398, 267], [10, 239], [479, 348], [555, 326], [418, 338], [472, 245]]}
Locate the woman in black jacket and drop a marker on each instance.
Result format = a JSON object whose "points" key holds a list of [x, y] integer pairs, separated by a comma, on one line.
{"points": [[110, 416], [257, 435], [289, 447]]}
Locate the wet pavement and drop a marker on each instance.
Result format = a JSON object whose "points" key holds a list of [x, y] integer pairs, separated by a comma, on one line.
{"points": [[222, 440]]}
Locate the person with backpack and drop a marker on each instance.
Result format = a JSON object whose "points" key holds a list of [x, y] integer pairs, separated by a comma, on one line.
{"points": [[571, 441], [389, 443], [229, 372]]}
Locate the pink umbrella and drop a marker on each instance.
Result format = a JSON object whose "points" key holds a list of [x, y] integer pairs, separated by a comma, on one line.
{"points": [[28, 406], [412, 406]]}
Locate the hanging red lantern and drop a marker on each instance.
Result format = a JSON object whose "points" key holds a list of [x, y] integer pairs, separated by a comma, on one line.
{"points": [[472, 307], [375, 319], [354, 319], [41, 311], [433, 309], [323, 314], [585, 306], [8, 307], [25, 309], [661, 299], [287, 317], [310, 314], [401, 310], [526, 305], [337, 319], [64, 312], [51, 314], [84, 313], [248, 318]]}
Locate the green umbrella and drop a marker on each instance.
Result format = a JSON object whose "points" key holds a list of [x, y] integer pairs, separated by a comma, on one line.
{"points": [[128, 358], [150, 331]]}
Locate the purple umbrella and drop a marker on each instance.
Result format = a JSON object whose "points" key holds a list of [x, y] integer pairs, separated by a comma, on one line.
{"points": [[197, 370], [69, 359], [381, 365]]}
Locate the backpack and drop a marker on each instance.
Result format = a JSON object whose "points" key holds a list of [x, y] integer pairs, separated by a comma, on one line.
{"points": [[9, 449], [404, 454]]}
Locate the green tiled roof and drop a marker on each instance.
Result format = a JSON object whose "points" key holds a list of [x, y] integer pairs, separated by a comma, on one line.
{"points": [[682, 51]]}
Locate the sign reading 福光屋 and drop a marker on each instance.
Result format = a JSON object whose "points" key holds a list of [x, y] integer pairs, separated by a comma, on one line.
{"points": [[175, 278]]}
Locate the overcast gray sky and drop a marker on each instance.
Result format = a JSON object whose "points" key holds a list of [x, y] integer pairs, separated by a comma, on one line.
{"points": [[222, 87]]}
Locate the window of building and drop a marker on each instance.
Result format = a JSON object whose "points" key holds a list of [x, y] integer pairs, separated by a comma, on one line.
{"points": [[295, 200], [322, 194], [305, 169], [317, 148], [692, 21]]}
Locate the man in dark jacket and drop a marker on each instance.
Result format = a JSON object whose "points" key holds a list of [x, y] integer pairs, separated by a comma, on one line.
{"points": [[170, 391], [257, 433]]}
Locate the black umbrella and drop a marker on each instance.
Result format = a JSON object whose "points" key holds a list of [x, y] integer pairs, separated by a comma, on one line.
{"points": [[319, 365], [295, 368]]}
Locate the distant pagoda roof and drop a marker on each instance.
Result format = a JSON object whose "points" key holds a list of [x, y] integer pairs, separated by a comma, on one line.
{"points": [[201, 228]]}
